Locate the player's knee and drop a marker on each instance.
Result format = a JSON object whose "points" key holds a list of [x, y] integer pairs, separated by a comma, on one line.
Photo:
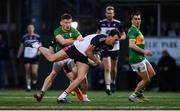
{"points": [[34, 73], [81, 78], [53, 75], [152, 74], [107, 69], [147, 81]]}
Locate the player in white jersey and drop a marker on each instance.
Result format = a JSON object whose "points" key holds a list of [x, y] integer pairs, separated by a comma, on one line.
{"points": [[110, 57], [30, 56], [80, 51]]}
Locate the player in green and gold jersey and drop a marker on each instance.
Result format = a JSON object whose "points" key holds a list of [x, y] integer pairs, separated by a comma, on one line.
{"points": [[64, 35], [137, 58]]}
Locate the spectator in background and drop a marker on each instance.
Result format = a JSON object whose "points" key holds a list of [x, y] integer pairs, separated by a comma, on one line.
{"points": [[164, 29], [177, 28], [30, 56], [4, 54], [151, 27], [172, 30], [167, 72]]}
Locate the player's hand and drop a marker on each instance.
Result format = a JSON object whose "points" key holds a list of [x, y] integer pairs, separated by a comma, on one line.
{"points": [[98, 62], [148, 53]]}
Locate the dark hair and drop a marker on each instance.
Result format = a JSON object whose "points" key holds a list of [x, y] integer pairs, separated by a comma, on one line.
{"points": [[66, 16], [114, 32], [136, 13]]}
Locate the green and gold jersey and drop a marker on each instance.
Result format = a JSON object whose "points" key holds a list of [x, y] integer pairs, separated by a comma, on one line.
{"points": [[134, 34], [72, 33]]}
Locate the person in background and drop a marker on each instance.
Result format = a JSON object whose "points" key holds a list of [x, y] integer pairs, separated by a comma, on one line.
{"points": [[167, 72], [110, 57], [30, 56]]}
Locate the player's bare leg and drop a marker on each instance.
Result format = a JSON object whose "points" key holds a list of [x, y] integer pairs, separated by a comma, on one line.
{"points": [[34, 75], [107, 73], [72, 75], [82, 72], [113, 74], [47, 84], [84, 88], [81, 92], [28, 76], [140, 86], [61, 55], [146, 77]]}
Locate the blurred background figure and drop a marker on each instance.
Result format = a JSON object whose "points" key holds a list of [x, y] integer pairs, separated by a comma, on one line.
{"points": [[110, 57], [151, 26], [167, 71], [30, 56], [4, 54]]}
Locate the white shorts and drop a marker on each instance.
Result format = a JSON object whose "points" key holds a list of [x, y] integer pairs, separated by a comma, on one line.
{"points": [[69, 63], [140, 67]]}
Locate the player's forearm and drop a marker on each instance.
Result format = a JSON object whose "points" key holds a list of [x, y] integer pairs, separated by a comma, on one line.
{"points": [[123, 36], [51, 49], [136, 48], [67, 42], [64, 42], [47, 54]]}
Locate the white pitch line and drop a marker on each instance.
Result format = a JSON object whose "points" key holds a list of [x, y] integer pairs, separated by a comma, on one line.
{"points": [[88, 107], [28, 97]]}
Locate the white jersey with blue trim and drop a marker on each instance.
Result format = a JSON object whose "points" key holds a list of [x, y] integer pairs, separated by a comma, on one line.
{"points": [[105, 26], [97, 40], [28, 51]]}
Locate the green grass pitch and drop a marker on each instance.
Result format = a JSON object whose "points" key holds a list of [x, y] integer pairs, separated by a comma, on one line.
{"points": [[22, 100]]}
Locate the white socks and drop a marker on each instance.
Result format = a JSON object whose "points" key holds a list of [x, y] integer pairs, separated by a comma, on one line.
{"points": [[108, 86], [63, 95]]}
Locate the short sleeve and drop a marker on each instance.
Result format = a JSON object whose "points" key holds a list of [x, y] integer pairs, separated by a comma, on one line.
{"points": [[132, 35], [120, 27], [56, 31], [76, 33], [97, 40]]}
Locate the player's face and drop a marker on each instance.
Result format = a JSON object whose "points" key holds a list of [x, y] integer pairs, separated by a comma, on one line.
{"points": [[30, 29], [110, 14], [112, 40], [66, 24], [136, 20]]}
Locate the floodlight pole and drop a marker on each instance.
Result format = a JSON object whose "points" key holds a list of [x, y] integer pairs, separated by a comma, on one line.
{"points": [[158, 20]]}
